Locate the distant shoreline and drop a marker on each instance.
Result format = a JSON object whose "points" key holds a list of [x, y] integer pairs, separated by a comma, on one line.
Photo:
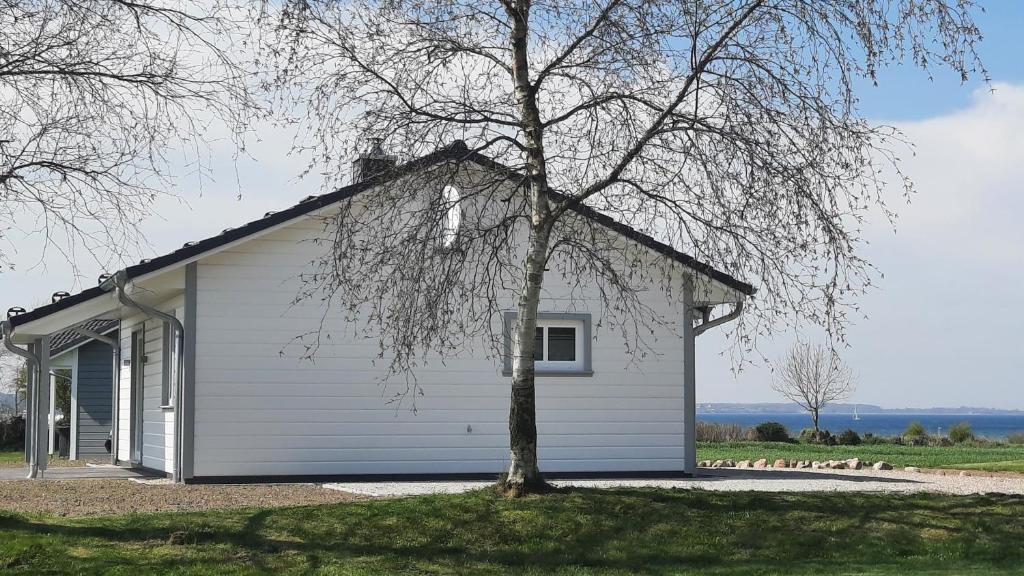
{"points": [[849, 408], [860, 412], [880, 424]]}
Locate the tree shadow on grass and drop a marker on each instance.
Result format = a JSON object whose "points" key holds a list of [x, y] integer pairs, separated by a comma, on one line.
{"points": [[629, 530]]}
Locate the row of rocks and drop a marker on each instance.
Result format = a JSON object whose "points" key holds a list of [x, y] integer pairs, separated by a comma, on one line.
{"points": [[849, 464]]}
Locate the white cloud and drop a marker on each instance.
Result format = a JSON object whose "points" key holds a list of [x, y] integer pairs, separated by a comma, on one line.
{"points": [[944, 325]]}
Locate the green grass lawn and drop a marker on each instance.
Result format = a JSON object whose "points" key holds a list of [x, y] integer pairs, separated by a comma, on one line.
{"points": [[613, 532], [15, 458], [1007, 466], [924, 456], [11, 456]]}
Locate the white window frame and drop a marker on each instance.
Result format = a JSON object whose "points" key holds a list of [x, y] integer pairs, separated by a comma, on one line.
{"points": [[169, 368], [581, 366], [561, 365]]}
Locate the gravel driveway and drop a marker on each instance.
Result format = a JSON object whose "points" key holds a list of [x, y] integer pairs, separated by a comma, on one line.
{"points": [[782, 480]]}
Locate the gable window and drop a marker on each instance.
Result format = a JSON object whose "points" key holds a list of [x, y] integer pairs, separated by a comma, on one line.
{"points": [[561, 344], [451, 200]]}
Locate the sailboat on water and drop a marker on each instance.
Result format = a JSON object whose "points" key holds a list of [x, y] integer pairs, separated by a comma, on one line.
{"points": [[855, 415]]}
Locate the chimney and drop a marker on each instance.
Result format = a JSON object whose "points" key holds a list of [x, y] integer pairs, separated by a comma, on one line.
{"points": [[373, 162]]}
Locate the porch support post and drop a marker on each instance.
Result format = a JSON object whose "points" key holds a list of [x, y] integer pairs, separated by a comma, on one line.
{"points": [[73, 448], [689, 383], [51, 414], [30, 400], [115, 408], [40, 421]]}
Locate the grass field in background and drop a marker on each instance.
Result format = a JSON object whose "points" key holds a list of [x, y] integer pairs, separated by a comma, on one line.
{"points": [[11, 456], [579, 532], [1007, 466], [925, 456]]}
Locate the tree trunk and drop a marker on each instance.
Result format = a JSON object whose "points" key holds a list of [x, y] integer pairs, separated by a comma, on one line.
{"points": [[814, 415], [524, 473]]}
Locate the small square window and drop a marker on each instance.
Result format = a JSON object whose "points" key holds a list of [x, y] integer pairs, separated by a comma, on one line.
{"points": [[561, 344]]}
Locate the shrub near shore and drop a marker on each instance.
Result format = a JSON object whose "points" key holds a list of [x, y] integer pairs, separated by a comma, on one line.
{"points": [[925, 451], [915, 435], [994, 457]]}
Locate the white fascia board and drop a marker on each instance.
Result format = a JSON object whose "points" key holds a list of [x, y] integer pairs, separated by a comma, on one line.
{"points": [[107, 302], [63, 319]]}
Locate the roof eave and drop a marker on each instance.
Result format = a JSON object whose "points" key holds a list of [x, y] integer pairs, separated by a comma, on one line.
{"points": [[457, 151]]}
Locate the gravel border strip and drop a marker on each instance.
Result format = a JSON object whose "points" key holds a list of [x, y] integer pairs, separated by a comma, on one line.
{"points": [[722, 479]]}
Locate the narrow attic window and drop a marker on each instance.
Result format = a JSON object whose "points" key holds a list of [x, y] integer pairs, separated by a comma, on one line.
{"points": [[451, 204]]}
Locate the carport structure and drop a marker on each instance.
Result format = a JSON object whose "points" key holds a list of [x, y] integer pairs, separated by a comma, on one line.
{"points": [[88, 350], [44, 337], [90, 364]]}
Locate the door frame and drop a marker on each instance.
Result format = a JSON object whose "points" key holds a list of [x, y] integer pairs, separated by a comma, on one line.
{"points": [[137, 387]]}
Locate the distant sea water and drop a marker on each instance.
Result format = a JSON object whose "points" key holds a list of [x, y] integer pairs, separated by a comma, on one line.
{"points": [[992, 426]]}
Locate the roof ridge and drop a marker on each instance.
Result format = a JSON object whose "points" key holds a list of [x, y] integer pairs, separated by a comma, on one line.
{"points": [[457, 150]]}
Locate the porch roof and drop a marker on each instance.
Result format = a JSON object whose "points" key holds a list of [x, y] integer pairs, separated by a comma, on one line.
{"points": [[62, 342]]}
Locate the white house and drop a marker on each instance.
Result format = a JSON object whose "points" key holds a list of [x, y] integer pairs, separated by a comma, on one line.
{"points": [[205, 394]]}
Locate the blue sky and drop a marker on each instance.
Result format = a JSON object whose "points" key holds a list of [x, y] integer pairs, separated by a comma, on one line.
{"points": [[943, 327], [906, 93]]}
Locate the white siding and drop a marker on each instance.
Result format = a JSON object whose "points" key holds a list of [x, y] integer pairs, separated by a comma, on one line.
{"points": [[259, 412], [157, 422]]}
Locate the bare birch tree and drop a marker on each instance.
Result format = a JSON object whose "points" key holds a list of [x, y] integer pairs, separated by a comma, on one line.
{"points": [[813, 377], [94, 94], [728, 129]]}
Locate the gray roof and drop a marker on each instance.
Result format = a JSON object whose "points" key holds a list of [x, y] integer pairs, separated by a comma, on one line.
{"points": [[456, 151]]}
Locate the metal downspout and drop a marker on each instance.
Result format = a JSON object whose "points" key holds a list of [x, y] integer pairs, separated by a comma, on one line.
{"points": [[116, 383], [690, 333], [33, 365], [701, 328], [123, 298]]}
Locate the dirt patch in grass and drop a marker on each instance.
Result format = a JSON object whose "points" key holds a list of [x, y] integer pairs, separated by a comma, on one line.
{"points": [[110, 497]]}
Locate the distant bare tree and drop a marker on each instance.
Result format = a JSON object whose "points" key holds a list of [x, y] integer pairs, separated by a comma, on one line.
{"points": [[813, 377], [726, 128], [13, 378], [93, 94]]}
